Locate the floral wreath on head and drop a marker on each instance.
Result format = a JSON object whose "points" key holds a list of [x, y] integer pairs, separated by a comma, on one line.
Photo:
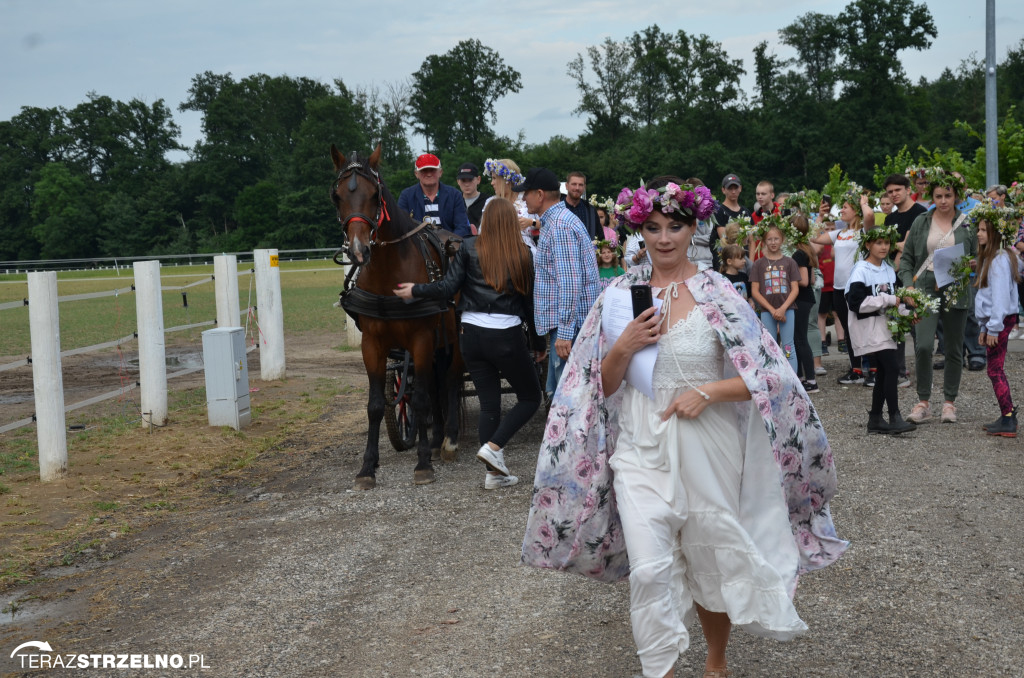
{"points": [[600, 244], [937, 177], [606, 204], [1015, 193], [868, 236], [633, 207], [1006, 219], [789, 231], [495, 168], [852, 195]]}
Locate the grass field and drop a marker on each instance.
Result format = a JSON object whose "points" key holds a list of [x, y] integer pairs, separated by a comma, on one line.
{"points": [[308, 290]]}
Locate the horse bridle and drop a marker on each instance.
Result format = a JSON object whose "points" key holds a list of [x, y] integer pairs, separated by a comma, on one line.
{"points": [[357, 169]]}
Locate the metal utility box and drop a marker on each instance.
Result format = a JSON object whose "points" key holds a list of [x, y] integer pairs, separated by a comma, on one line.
{"points": [[227, 377]]}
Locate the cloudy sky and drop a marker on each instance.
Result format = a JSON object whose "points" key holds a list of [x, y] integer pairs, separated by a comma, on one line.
{"points": [[56, 51]]}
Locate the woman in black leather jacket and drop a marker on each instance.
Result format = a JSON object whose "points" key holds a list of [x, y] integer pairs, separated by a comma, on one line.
{"points": [[494, 272]]}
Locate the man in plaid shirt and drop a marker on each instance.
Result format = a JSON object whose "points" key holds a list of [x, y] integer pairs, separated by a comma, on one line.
{"points": [[566, 278]]}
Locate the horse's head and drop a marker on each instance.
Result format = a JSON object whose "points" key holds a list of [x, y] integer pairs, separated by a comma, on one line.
{"points": [[357, 197]]}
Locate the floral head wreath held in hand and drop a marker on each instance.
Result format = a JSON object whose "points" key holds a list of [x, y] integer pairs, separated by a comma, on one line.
{"points": [[1004, 219], [495, 168], [634, 207], [797, 202], [868, 236]]}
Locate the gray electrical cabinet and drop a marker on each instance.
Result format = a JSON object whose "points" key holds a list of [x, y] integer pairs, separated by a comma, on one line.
{"points": [[227, 377]]}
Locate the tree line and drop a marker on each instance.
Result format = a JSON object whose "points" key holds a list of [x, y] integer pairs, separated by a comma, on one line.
{"points": [[95, 180]]}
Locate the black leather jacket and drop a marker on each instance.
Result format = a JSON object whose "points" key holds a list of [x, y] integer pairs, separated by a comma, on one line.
{"points": [[465, 275]]}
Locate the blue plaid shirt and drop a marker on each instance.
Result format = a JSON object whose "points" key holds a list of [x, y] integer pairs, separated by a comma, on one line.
{"points": [[567, 281]]}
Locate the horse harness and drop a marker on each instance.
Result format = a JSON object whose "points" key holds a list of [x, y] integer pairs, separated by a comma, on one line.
{"points": [[358, 301]]}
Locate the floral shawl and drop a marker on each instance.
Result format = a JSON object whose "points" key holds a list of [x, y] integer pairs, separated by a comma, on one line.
{"points": [[574, 523]]}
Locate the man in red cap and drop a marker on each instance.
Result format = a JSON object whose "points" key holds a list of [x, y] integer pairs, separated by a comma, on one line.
{"points": [[432, 201]]}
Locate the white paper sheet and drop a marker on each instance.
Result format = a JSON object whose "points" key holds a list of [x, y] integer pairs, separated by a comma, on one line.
{"points": [[943, 261], [617, 313]]}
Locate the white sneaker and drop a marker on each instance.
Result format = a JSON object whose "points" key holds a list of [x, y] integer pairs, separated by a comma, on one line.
{"points": [[493, 481], [820, 370], [493, 459]]}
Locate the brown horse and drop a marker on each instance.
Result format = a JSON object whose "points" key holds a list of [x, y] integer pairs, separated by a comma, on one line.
{"points": [[389, 247]]}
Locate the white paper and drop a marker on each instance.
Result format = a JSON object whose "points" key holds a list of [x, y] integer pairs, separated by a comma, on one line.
{"points": [[943, 261], [617, 313]]}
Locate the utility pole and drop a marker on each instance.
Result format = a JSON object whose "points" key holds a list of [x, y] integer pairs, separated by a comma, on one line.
{"points": [[991, 121]]}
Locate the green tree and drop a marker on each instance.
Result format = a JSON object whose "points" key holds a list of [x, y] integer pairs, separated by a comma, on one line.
{"points": [[815, 36], [453, 94], [872, 33], [65, 216], [610, 104]]}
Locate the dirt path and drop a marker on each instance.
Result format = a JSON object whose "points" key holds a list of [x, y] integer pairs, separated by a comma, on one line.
{"points": [[283, 570]]}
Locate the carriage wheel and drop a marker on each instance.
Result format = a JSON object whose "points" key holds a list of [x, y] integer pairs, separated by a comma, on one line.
{"points": [[400, 418]]}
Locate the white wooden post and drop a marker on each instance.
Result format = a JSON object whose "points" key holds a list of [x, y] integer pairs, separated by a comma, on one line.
{"points": [[225, 279], [270, 314], [149, 311], [353, 337], [47, 379]]}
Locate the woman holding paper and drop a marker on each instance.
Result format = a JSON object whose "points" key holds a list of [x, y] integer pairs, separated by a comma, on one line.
{"points": [[690, 504], [931, 233]]}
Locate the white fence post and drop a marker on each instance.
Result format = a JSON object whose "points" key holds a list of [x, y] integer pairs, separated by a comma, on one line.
{"points": [[47, 379], [149, 310], [353, 337], [225, 279], [270, 314]]}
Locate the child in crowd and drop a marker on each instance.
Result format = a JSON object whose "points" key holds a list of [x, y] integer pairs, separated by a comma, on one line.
{"points": [[774, 284], [733, 262], [731, 236], [869, 291], [995, 306], [806, 261], [607, 262]]}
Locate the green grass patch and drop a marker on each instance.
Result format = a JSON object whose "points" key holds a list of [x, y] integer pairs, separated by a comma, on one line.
{"points": [[308, 292], [18, 454]]}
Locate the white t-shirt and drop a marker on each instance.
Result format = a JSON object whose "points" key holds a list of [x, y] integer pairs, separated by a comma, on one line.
{"points": [[846, 251]]}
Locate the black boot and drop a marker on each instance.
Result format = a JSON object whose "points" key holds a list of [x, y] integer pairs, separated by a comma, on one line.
{"points": [[1006, 426], [998, 422], [898, 425], [876, 423]]}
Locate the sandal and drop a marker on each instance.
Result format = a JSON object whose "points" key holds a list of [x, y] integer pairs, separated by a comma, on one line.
{"points": [[716, 673]]}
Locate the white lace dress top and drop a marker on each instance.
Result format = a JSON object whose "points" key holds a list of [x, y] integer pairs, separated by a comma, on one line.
{"points": [[689, 349]]}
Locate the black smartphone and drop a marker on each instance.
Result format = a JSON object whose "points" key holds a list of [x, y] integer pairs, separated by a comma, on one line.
{"points": [[642, 299]]}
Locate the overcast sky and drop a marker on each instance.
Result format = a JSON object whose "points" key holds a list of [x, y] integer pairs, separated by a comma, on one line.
{"points": [[53, 52]]}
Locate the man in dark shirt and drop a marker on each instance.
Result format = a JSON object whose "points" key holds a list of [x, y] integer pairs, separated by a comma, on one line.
{"points": [[469, 182], [897, 187], [728, 210], [575, 189], [430, 200]]}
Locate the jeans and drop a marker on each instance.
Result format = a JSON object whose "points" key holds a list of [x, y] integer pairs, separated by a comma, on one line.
{"points": [[491, 355], [804, 355], [555, 364], [784, 331]]}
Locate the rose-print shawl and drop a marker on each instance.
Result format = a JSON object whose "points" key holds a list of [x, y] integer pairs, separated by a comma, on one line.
{"points": [[574, 523]]}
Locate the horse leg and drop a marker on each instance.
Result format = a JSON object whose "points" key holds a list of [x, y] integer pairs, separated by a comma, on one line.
{"points": [[375, 359], [454, 379], [441, 407], [422, 388]]}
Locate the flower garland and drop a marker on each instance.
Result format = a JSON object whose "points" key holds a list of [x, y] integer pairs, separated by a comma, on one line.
{"points": [[868, 236], [1015, 193], [852, 195], [607, 204], [495, 168], [792, 236], [937, 177], [899, 319], [960, 270], [798, 202], [1006, 219], [633, 207]]}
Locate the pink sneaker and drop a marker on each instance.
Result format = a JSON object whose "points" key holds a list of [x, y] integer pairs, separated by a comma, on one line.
{"points": [[920, 414], [948, 413]]}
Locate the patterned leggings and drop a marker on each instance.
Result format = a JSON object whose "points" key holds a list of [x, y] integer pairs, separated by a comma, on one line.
{"points": [[996, 355]]}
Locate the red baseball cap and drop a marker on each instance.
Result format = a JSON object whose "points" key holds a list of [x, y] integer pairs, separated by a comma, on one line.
{"points": [[428, 161]]}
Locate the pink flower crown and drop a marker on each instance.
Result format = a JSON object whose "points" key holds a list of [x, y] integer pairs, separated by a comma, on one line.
{"points": [[633, 207]]}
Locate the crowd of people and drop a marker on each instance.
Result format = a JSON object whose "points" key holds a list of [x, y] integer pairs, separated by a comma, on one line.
{"points": [[682, 448]]}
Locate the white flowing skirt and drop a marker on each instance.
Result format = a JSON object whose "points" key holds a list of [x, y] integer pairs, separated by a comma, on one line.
{"points": [[705, 522]]}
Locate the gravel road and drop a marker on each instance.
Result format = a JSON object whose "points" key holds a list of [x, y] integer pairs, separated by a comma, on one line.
{"points": [[295, 574]]}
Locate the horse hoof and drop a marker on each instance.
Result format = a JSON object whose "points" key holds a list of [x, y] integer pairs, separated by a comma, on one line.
{"points": [[423, 476], [435, 454], [449, 450], [365, 483]]}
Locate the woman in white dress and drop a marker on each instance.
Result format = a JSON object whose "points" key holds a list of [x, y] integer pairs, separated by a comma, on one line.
{"points": [[713, 495]]}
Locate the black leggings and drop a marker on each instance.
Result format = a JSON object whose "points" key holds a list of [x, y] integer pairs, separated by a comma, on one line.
{"points": [[491, 355], [804, 357], [842, 315], [887, 365]]}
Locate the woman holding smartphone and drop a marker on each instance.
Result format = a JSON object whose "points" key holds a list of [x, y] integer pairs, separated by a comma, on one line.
{"points": [[667, 506]]}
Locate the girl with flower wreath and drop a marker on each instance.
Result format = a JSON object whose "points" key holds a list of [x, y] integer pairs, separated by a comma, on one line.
{"points": [[938, 228], [607, 262], [845, 244], [504, 174], [717, 495], [869, 292], [996, 305], [775, 284]]}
